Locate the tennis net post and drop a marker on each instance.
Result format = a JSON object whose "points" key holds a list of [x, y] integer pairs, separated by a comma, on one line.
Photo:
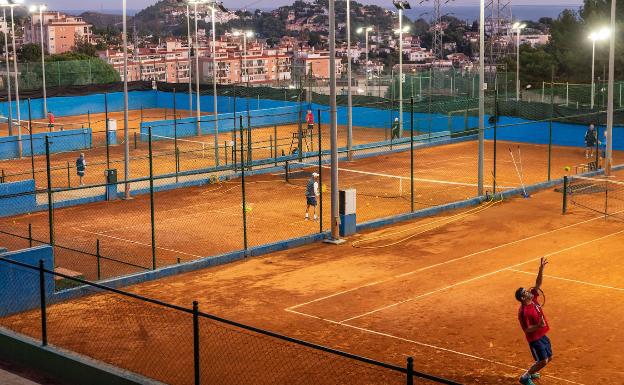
{"points": [[564, 205]]}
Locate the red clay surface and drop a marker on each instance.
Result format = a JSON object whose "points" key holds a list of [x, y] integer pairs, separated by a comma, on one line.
{"points": [[443, 296], [207, 220]]}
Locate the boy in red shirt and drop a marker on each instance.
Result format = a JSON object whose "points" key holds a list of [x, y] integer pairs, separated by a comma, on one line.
{"points": [[310, 120], [50, 121], [535, 326]]}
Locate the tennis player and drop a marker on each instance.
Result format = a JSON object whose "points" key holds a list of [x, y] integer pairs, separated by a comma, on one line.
{"points": [[590, 141], [312, 192], [535, 326], [310, 120], [81, 165], [50, 121], [396, 129]]}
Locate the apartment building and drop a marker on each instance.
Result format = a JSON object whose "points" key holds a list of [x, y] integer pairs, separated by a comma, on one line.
{"points": [[60, 31]]}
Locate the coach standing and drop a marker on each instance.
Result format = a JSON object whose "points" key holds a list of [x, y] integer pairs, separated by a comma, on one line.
{"points": [[81, 166]]}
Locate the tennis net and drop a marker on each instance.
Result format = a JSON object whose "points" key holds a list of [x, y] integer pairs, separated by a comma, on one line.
{"points": [[427, 191], [168, 144], [601, 195]]}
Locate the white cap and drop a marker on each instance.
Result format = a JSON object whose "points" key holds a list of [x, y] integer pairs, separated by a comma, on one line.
{"points": [[396, 119], [314, 174]]}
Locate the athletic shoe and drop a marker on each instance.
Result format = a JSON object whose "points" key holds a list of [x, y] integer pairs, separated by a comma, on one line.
{"points": [[535, 376], [526, 381], [315, 218], [307, 217]]}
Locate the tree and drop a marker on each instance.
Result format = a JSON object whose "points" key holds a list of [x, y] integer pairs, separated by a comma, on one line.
{"points": [[82, 46], [29, 53]]}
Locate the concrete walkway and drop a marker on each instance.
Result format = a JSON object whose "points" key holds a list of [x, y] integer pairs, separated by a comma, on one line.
{"points": [[7, 378]]}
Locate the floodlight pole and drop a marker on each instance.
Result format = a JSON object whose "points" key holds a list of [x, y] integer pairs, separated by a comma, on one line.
{"points": [[43, 74], [214, 84], [593, 85], [367, 67], [197, 102], [481, 96], [335, 219], [518, 63], [125, 90], [400, 72], [609, 155], [6, 53], [349, 91], [17, 99], [190, 63]]}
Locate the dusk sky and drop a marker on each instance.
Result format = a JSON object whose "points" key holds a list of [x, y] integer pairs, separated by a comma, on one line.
{"points": [[139, 4]]}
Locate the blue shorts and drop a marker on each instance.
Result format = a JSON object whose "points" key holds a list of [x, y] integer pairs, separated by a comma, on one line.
{"points": [[80, 172], [311, 201], [541, 348]]}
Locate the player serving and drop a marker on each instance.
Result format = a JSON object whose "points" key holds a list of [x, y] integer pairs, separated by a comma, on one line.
{"points": [[535, 326]]}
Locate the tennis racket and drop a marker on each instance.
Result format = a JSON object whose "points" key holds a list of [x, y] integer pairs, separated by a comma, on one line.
{"points": [[541, 297]]}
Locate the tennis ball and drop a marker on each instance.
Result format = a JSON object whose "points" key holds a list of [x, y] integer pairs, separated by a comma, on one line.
{"points": [[567, 168]]}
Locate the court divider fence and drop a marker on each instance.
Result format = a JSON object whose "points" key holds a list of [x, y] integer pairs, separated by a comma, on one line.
{"points": [[184, 345]]}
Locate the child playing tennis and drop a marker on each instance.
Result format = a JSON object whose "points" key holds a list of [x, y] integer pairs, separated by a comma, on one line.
{"points": [[590, 141], [535, 326]]}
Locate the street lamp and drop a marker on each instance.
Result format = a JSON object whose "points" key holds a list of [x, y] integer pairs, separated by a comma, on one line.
{"points": [[401, 5], [125, 90], [366, 30], [34, 9], [518, 27], [349, 91], [602, 34]]}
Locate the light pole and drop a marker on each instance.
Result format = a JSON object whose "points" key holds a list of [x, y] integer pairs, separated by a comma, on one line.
{"points": [[244, 65], [609, 154], [197, 101], [6, 56], [214, 5], [518, 27], [189, 42], [12, 4], [349, 91], [125, 89], [33, 9], [366, 31], [401, 5], [595, 36], [481, 136]]}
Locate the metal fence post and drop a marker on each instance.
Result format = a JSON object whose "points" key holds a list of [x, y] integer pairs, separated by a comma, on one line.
{"points": [[412, 154], [175, 136], [42, 300], [30, 238], [196, 342], [30, 134], [243, 188], [97, 258], [50, 201], [249, 141], [151, 180], [106, 128], [320, 168], [410, 371]]}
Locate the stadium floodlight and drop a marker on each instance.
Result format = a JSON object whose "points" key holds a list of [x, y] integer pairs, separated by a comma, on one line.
{"points": [[595, 36], [245, 64], [366, 30], [401, 4], [39, 8], [518, 27], [12, 4]]}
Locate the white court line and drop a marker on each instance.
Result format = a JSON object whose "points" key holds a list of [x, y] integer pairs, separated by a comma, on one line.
{"points": [[137, 243], [481, 276], [572, 280], [468, 355], [446, 262]]}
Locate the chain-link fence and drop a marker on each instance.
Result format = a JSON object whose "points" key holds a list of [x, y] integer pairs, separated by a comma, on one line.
{"points": [[176, 344]]}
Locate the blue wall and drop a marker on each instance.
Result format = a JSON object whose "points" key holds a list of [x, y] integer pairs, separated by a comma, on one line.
{"points": [[563, 134], [60, 141], [11, 205], [19, 286]]}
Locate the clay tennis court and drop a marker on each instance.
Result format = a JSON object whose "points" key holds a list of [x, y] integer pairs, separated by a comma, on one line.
{"points": [[443, 296], [201, 221], [196, 152]]}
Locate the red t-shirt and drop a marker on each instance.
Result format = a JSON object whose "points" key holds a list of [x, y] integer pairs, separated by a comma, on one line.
{"points": [[531, 315], [50, 118], [310, 118]]}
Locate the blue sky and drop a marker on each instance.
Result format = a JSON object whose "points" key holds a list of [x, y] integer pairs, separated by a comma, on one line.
{"points": [[138, 4]]}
